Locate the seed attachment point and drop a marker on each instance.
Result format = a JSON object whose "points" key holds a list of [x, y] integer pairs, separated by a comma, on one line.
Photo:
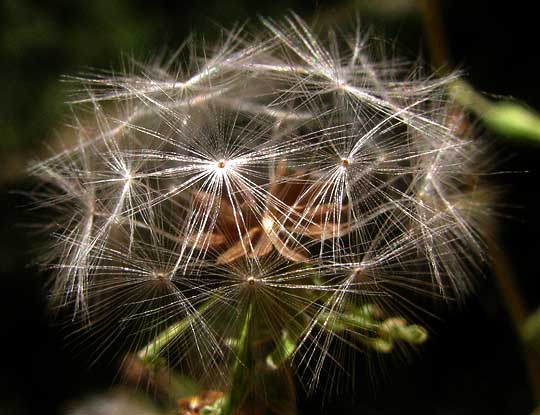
{"points": [[345, 162]]}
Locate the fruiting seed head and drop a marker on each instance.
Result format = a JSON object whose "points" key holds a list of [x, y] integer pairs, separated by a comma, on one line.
{"points": [[327, 183]]}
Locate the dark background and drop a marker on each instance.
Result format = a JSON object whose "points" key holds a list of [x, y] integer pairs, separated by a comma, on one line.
{"points": [[472, 364]]}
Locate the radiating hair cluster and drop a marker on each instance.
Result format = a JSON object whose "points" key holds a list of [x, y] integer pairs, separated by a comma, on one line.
{"points": [[280, 192]]}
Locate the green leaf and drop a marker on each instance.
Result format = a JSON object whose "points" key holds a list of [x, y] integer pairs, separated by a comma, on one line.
{"points": [[513, 120], [152, 350], [396, 328], [504, 117], [531, 331], [283, 351]]}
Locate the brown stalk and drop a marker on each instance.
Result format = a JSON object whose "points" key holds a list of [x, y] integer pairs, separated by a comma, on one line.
{"points": [[508, 290]]}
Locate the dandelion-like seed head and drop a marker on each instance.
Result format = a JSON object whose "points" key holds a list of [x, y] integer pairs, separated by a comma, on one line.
{"points": [[272, 204]]}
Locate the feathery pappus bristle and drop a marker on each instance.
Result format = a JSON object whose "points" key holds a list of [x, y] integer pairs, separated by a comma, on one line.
{"points": [[267, 202]]}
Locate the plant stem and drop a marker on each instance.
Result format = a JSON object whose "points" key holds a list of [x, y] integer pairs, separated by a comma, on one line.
{"points": [[466, 96], [515, 307], [241, 367], [434, 29], [152, 349]]}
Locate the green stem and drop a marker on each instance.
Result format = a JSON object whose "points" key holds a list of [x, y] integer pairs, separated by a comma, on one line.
{"points": [[516, 309], [283, 351], [510, 119], [241, 367], [151, 351]]}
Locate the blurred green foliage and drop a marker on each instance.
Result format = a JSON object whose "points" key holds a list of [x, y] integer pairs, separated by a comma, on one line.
{"points": [[40, 41], [531, 331]]}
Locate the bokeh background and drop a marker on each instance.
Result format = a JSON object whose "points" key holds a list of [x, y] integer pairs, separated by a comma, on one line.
{"points": [[474, 362]]}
